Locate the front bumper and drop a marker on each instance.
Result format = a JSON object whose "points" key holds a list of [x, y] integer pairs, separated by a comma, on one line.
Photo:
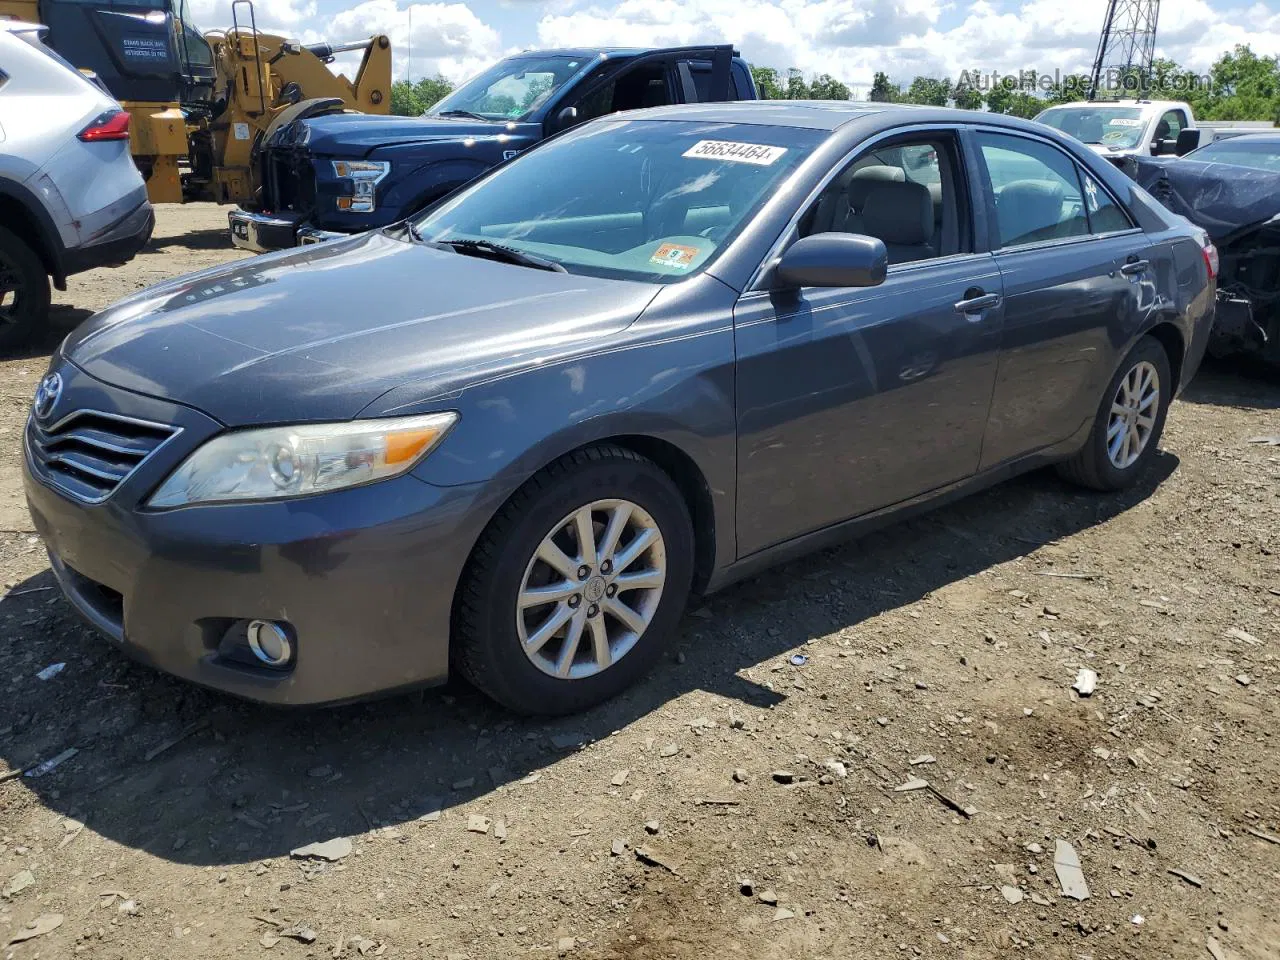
{"points": [[262, 233], [364, 576]]}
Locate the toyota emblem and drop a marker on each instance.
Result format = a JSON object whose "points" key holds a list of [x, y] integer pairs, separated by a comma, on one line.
{"points": [[47, 395]]}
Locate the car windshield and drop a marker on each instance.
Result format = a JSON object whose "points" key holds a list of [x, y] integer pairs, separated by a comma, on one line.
{"points": [[628, 199], [1119, 127], [1258, 155], [511, 89]]}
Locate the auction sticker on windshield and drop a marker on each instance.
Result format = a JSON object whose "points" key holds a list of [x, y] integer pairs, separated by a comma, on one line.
{"points": [[760, 154], [1124, 122], [675, 255]]}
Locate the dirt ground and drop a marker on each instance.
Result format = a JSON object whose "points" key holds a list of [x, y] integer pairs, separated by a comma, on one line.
{"points": [[943, 649]]}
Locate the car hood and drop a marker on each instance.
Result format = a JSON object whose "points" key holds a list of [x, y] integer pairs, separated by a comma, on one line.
{"points": [[320, 332], [354, 135]]}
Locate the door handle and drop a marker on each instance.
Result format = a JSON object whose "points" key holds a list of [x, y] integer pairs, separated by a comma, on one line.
{"points": [[1134, 267], [972, 307]]}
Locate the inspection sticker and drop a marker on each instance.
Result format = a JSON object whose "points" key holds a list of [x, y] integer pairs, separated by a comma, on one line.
{"points": [[1124, 122], [674, 255], [760, 154]]}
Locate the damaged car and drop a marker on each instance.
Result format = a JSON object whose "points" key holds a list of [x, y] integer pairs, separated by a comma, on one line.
{"points": [[1231, 189]]}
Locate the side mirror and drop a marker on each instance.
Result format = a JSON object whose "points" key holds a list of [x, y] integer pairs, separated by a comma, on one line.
{"points": [[833, 260], [1188, 140], [566, 118]]}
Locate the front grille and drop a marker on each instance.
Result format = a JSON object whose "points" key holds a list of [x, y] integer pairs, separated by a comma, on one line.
{"points": [[87, 454]]}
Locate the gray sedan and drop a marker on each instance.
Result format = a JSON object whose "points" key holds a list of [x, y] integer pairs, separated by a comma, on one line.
{"points": [[649, 356]]}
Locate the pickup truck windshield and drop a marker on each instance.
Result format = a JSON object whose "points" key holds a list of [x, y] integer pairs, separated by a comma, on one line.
{"points": [[1263, 155], [645, 200], [1119, 127], [509, 90]]}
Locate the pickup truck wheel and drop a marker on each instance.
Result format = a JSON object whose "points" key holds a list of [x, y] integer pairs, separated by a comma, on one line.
{"points": [[576, 584], [1129, 422], [24, 291]]}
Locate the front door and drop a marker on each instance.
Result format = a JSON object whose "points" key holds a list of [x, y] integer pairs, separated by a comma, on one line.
{"points": [[853, 399], [1076, 282]]}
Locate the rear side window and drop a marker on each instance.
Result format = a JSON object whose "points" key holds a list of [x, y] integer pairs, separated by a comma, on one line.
{"points": [[1105, 215], [1036, 189]]}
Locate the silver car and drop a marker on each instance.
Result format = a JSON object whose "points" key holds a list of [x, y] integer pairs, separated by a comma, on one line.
{"points": [[70, 196]]}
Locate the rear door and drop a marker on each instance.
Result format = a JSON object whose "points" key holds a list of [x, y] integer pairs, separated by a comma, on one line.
{"points": [[854, 399], [1077, 282]]}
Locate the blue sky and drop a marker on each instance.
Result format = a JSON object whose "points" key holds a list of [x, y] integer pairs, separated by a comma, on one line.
{"points": [[849, 39]]}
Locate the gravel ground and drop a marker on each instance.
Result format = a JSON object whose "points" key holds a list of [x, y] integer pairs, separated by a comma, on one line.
{"points": [[757, 796]]}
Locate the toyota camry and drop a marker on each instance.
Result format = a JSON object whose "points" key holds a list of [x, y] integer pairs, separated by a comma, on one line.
{"points": [[651, 355]]}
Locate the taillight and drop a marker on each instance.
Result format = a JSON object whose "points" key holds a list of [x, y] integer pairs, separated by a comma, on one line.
{"points": [[108, 125], [1210, 253]]}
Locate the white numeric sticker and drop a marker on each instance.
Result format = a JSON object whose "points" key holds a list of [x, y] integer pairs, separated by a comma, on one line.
{"points": [[760, 154]]}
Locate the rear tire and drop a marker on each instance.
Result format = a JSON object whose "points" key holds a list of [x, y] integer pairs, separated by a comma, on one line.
{"points": [[1129, 422], [559, 636], [24, 291]]}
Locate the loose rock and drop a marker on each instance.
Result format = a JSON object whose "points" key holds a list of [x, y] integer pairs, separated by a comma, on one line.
{"points": [[331, 850]]}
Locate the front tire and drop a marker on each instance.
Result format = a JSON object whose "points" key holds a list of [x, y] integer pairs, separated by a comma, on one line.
{"points": [[575, 586], [1127, 428], [24, 291]]}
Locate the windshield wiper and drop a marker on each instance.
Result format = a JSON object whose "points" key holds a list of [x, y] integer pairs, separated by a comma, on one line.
{"points": [[469, 114], [496, 251]]}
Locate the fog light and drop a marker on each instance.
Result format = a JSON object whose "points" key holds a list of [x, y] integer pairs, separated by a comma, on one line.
{"points": [[269, 642]]}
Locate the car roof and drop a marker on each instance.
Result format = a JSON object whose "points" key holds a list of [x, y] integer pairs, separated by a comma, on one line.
{"points": [[825, 114], [1257, 136], [612, 53]]}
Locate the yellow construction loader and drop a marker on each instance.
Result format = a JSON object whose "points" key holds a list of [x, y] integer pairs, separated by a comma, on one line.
{"points": [[202, 104]]}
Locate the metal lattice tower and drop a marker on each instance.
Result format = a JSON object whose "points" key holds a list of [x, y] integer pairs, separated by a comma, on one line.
{"points": [[1128, 43]]}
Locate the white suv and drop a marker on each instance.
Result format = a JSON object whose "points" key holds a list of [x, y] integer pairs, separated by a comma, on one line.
{"points": [[70, 197]]}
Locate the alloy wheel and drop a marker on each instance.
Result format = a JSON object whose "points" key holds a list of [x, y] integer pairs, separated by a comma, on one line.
{"points": [[591, 589], [1133, 415]]}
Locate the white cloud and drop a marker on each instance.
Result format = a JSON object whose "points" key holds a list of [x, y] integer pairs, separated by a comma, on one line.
{"points": [[446, 38]]}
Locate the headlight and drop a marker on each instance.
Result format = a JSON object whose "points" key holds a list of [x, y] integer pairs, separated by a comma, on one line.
{"points": [[294, 461], [365, 176]]}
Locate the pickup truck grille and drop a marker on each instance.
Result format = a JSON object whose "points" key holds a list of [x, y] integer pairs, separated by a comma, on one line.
{"points": [[88, 454], [289, 180]]}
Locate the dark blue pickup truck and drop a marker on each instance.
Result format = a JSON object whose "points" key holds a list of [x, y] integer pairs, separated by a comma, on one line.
{"points": [[326, 173]]}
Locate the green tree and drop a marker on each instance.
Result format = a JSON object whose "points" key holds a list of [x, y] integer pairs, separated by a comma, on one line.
{"points": [[882, 91], [827, 87], [929, 90], [1008, 99], [767, 83], [967, 98], [1072, 87], [414, 99]]}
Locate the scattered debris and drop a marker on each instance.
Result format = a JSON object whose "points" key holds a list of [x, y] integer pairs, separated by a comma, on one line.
{"points": [[740, 775], [174, 741], [1012, 894], [51, 764], [331, 850], [128, 908], [652, 827], [565, 944], [1067, 576], [746, 886], [269, 940], [799, 659], [836, 768], [466, 783], [1034, 848], [1086, 682], [1215, 948], [1263, 835], [923, 759], [768, 898], [51, 671], [1243, 679], [320, 772], [1102, 753], [620, 778], [915, 783], [712, 802], [966, 812], [1267, 441], [434, 808], [500, 830], [478, 824], [17, 883], [618, 849], [1191, 878], [782, 913], [45, 923], [567, 741], [783, 776], [1137, 919], [1066, 863], [670, 750], [1235, 633], [652, 858], [300, 933]]}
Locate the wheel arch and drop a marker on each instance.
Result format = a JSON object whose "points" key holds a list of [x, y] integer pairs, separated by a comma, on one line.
{"points": [[1169, 336], [22, 216]]}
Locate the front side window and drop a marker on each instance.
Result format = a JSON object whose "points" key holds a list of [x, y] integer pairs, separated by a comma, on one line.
{"points": [[1170, 125], [633, 88], [1037, 193], [905, 194], [1119, 127], [511, 89], [644, 200]]}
